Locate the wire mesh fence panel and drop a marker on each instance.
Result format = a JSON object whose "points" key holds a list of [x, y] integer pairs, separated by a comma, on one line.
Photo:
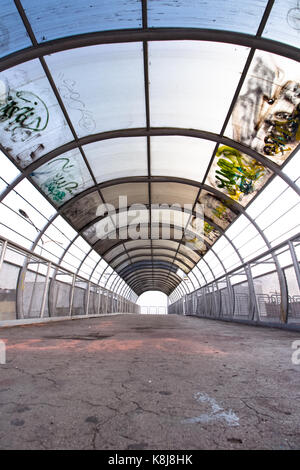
{"points": [[59, 298], [8, 282], [267, 291], [241, 300], [293, 295], [32, 289], [79, 298]]}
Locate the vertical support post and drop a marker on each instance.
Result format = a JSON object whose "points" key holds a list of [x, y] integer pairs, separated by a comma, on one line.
{"points": [[3, 251], [72, 295], [253, 299], [295, 262], [87, 298], [230, 296], [45, 290], [99, 300]]}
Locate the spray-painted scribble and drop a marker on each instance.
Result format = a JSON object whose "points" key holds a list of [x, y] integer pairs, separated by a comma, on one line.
{"points": [[22, 113], [236, 174], [72, 99], [267, 114], [293, 17], [59, 174]]}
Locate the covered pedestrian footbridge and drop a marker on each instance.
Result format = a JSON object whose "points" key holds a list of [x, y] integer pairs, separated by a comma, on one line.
{"points": [[145, 146], [148, 145]]}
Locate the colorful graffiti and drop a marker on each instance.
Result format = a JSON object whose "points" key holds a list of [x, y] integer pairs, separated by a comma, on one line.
{"points": [[284, 128], [236, 173], [267, 114], [210, 233]]}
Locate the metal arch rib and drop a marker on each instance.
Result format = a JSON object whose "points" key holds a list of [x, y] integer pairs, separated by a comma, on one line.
{"points": [[148, 34], [143, 132]]}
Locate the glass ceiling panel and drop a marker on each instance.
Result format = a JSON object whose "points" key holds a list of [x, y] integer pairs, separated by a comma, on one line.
{"points": [[13, 35], [284, 22], [119, 260], [84, 210], [266, 115], [51, 19], [63, 177], [31, 121], [173, 193], [136, 193], [158, 252], [186, 86], [116, 251], [185, 259], [117, 158], [235, 174], [185, 250], [101, 86], [216, 209], [109, 227], [138, 244], [165, 243], [231, 15], [103, 245], [185, 157], [211, 234]]}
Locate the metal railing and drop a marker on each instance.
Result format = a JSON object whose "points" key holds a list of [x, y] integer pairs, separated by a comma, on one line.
{"points": [[253, 291], [31, 286]]}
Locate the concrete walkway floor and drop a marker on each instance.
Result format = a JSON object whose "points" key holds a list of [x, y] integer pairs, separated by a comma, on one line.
{"points": [[149, 382]]}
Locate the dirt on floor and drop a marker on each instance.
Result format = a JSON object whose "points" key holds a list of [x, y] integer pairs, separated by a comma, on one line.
{"points": [[149, 382]]}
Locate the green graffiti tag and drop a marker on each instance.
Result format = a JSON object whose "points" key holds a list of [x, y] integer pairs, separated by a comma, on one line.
{"points": [[237, 173], [23, 110], [60, 183]]}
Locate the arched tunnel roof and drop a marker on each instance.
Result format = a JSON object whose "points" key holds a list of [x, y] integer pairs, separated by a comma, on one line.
{"points": [[107, 104]]}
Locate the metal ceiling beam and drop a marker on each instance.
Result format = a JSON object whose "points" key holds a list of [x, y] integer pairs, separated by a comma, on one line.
{"points": [[142, 132], [148, 34]]}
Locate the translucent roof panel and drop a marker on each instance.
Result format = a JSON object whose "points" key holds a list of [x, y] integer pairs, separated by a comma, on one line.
{"points": [[173, 193], [84, 210], [102, 86], [232, 15], [266, 115], [283, 22], [237, 175], [31, 121], [292, 168], [211, 234], [51, 19], [216, 209], [186, 86], [185, 157], [63, 177], [131, 193], [118, 250], [9, 170], [13, 35], [109, 227], [117, 158]]}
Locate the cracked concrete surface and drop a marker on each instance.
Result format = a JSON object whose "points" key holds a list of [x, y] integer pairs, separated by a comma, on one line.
{"points": [[132, 382]]}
